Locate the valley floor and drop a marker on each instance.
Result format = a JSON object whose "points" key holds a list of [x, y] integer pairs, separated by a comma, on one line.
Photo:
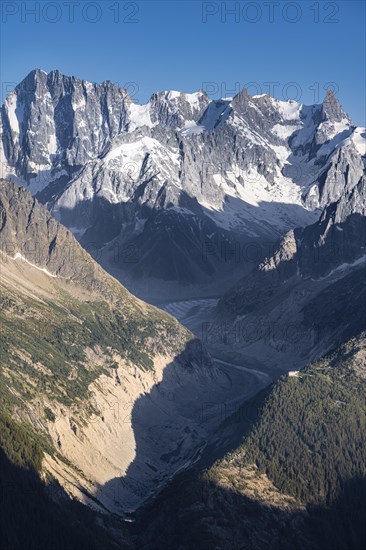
{"points": [[198, 315]]}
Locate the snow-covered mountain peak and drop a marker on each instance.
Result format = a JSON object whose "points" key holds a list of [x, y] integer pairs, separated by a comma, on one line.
{"points": [[173, 109], [252, 166]]}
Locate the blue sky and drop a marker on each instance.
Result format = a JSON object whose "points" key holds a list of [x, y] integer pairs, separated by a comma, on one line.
{"points": [[293, 49]]}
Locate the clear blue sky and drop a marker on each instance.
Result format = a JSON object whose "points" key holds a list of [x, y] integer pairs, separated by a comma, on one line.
{"points": [[185, 45]]}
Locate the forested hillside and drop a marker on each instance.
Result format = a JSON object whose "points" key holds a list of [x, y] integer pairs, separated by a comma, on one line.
{"points": [[297, 481], [34, 513]]}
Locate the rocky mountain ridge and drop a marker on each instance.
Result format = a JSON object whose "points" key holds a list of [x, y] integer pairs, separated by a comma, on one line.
{"points": [[216, 175], [308, 296]]}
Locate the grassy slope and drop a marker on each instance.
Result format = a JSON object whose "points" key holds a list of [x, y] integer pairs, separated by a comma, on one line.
{"points": [[49, 330], [54, 343], [37, 515], [43, 339]]}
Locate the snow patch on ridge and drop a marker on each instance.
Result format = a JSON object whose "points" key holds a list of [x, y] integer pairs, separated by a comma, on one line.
{"points": [[284, 131], [216, 113], [191, 127], [359, 140], [289, 110], [115, 176], [140, 116], [251, 201], [19, 256], [136, 151], [15, 113]]}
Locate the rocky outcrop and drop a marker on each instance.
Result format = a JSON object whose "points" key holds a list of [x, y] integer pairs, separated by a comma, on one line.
{"points": [[53, 124], [309, 295]]}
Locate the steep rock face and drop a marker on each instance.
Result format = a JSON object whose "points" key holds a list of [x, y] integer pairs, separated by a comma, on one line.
{"points": [[309, 294], [246, 169], [345, 167], [29, 230], [53, 124], [175, 109], [339, 237], [331, 108]]}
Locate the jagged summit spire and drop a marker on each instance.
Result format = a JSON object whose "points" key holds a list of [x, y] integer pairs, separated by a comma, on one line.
{"points": [[36, 77], [242, 95], [241, 99], [332, 108]]}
